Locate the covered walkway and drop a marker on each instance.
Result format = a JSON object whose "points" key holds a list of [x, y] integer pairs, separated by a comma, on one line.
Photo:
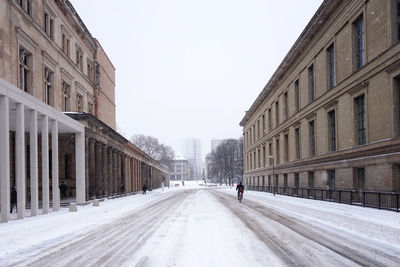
{"points": [[32, 119]]}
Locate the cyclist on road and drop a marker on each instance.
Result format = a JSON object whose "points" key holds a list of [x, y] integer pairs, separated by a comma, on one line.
{"points": [[240, 189]]}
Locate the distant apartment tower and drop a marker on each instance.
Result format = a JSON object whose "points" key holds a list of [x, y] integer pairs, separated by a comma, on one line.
{"points": [[191, 149], [215, 143]]}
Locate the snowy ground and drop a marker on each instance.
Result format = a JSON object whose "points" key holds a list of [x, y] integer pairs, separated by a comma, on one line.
{"points": [[198, 226]]}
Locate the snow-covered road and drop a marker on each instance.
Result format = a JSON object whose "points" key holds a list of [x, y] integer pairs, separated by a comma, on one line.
{"points": [[205, 227]]}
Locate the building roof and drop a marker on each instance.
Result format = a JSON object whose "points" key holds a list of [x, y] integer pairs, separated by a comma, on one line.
{"points": [[315, 24], [179, 157]]}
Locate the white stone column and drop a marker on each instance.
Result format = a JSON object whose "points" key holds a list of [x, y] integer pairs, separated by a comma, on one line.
{"points": [[54, 165], [80, 167], [20, 159], [45, 164], [4, 158], [33, 137]]}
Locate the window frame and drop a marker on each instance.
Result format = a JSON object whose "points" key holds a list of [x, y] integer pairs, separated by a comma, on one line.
{"points": [[332, 130], [297, 95], [311, 82], [360, 125], [312, 137], [331, 65], [359, 45]]}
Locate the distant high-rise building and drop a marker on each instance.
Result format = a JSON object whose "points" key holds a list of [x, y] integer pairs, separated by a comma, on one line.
{"points": [[191, 149], [215, 143]]}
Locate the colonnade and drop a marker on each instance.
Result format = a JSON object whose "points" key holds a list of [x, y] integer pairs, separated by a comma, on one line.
{"points": [[25, 115], [110, 171]]}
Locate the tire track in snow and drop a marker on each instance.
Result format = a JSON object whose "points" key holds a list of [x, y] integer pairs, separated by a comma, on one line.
{"points": [[354, 250], [106, 244]]}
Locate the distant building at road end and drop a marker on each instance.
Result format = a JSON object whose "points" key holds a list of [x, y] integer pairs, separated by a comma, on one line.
{"points": [[181, 169], [192, 152]]}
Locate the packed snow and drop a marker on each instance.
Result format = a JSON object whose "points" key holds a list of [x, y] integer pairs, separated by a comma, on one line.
{"points": [[198, 225]]}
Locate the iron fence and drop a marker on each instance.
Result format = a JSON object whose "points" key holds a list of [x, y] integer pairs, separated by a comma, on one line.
{"points": [[371, 199]]}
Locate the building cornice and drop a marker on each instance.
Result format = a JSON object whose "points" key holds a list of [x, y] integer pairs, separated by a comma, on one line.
{"points": [[69, 11]]}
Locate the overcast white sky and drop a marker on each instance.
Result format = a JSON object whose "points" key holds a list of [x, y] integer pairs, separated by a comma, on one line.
{"points": [[191, 68]]}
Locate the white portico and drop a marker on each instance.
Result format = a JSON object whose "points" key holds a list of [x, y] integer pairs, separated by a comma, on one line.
{"points": [[23, 114]]}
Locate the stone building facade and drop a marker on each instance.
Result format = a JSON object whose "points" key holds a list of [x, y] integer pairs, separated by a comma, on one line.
{"points": [[181, 169], [48, 54], [329, 117]]}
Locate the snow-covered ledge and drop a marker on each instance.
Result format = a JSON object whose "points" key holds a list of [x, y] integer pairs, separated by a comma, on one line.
{"points": [[23, 113]]}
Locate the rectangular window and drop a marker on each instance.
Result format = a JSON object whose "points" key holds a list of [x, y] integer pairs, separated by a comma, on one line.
{"points": [[359, 46], [25, 5], [311, 82], [48, 86], [277, 160], [398, 18], [254, 159], [90, 70], [285, 180], [331, 179], [258, 129], [264, 157], [311, 180], [396, 178], [296, 180], [297, 95], [276, 114], [360, 119], [79, 58], [49, 24], [269, 180], [286, 147], [331, 66], [79, 103], [254, 133], [332, 130], [269, 120], [66, 89], [276, 180], [29, 7], [65, 44], [396, 100], [285, 102], [25, 63], [312, 137], [251, 141], [270, 154], [263, 125], [359, 181], [259, 158], [297, 141]]}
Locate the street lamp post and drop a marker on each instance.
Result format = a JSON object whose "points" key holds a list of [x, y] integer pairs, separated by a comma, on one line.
{"points": [[273, 174]]}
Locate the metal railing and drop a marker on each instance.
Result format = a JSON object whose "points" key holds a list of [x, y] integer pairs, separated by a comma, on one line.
{"points": [[371, 199]]}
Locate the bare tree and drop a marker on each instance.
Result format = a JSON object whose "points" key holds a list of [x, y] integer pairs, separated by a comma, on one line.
{"points": [[152, 147], [226, 163]]}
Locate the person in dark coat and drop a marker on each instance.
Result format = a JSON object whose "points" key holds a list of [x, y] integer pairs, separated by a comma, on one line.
{"points": [[240, 188], [13, 199], [63, 190], [144, 189]]}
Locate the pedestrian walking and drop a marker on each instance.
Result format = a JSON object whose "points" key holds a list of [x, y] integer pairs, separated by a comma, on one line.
{"points": [[13, 199], [144, 189], [63, 190]]}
